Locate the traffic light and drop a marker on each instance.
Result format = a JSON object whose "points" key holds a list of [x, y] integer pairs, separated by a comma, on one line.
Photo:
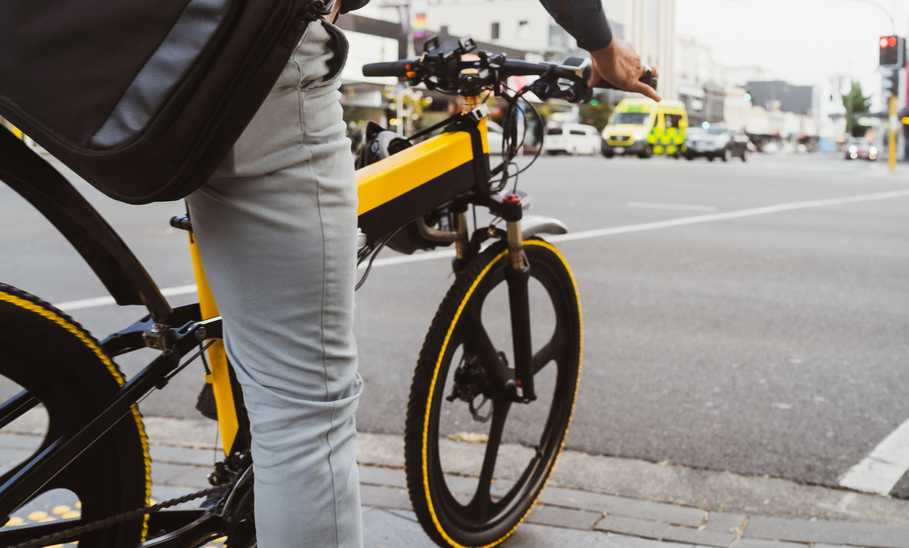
{"points": [[893, 51], [892, 83]]}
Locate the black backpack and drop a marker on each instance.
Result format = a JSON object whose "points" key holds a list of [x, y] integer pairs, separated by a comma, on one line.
{"points": [[143, 98]]}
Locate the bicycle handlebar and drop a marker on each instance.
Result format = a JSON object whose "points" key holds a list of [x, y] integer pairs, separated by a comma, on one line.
{"points": [[525, 68], [416, 70], [397, 69]]}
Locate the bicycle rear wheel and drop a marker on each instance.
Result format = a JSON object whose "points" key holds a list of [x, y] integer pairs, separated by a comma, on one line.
{"points": [[476, 463], [47, 356]]}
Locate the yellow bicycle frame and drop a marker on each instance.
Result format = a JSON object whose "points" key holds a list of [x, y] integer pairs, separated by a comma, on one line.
{"points": [[398, 188]]}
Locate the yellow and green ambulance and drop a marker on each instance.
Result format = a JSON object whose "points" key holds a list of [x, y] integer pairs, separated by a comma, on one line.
{"points": [[646, 128]]}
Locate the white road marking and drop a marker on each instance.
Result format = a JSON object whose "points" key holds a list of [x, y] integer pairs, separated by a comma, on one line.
{"points": [[108, 301], [671, 207], [583, 235], [69, 306], [729, 215], [882, 469]]}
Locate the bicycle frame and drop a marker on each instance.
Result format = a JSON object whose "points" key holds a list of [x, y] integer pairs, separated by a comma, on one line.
{"points": [[389, 193], [450, 169]]}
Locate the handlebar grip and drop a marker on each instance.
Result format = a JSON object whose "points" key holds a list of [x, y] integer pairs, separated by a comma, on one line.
{"points": [[392, 68], [648, 78]]}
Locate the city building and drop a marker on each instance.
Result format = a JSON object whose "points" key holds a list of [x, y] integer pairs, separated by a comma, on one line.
{"points": [[649, 25], [701, 81], [522, 24], [781, 95], [523, 29]]}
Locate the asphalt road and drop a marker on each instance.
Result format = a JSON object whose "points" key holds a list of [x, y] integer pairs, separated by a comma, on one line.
{"points": [[762, 341]]}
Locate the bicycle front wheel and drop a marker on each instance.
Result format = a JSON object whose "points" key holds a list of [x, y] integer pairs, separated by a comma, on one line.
{"points": [[476, 462]]}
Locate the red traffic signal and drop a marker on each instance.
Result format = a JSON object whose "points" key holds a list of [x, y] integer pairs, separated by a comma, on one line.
{"points": [[888, 42], [893, 51]]}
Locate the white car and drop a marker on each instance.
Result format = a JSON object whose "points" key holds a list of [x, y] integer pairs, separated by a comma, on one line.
{"points": [[571, 139], [711, 143]]}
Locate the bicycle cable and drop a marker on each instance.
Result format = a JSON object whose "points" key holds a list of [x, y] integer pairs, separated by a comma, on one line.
{"points": [[372, 257], [511, 146]]}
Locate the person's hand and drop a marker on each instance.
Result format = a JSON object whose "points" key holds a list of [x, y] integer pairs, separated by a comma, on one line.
{"points": [[619, 65]]}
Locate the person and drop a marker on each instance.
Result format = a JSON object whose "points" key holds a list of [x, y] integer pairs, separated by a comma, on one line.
{"points": [[281, 210]]}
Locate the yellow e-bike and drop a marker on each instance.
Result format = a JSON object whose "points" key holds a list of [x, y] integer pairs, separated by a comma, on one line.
{"points": [[494, 387]]}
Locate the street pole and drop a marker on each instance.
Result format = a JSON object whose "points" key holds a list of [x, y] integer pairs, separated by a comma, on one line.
{"points": [[891, 141], [886, 11], [405, 42], [404, 9]]}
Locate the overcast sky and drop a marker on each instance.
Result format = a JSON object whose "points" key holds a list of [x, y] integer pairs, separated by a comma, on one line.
{"points": [[802, 40]]}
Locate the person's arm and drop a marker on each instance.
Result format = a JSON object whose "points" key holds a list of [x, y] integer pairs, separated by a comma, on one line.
{"points": [[583, 19], [612, 60]]}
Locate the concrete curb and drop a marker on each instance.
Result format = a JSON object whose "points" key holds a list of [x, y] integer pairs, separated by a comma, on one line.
{"points": [[594, 495]]}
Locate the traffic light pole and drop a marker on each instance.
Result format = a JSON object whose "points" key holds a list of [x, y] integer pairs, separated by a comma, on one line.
{"points": [[891, 141], [893, 61]]}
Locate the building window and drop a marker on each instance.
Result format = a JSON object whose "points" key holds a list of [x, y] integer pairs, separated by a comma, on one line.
{"points": [[495, 31], [523, 29], [559, 40]]}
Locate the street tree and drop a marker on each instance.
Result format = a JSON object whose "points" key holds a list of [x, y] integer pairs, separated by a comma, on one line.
{"points": [[856, 103]]}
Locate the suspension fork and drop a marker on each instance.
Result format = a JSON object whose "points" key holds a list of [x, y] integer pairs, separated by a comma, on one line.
{"points": [[517, 275]]}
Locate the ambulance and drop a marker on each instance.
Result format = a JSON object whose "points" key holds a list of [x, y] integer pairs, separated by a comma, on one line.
{"points": [[645, 128]]}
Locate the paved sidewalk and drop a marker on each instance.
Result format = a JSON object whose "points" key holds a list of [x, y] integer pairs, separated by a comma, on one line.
{"points": [[565, 517]]}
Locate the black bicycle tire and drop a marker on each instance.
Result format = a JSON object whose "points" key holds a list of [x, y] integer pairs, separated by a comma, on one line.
{"points": [[34, 336], [425, 376]]}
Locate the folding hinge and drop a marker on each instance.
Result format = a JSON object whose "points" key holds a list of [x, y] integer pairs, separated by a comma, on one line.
{"points": [[160, 337], [479, 112]]}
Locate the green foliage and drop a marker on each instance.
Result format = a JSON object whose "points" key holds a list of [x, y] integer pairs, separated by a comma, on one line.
{"points": [[856, 103], [596, 115]]}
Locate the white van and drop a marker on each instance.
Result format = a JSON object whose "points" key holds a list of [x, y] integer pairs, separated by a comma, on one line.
{"points": [[571, 139]]}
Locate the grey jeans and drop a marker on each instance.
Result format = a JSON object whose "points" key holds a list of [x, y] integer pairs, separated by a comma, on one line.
{"points": [[277, 230]]}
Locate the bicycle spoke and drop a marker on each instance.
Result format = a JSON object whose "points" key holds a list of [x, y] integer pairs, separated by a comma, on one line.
{"points": [[529, 468], [546, 354], [17, 406], [482, 498]]}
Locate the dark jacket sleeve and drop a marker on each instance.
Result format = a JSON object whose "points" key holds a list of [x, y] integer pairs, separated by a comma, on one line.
{"points": [[350, 5], [583, 19]]}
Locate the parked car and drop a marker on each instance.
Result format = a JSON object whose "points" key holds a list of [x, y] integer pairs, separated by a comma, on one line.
{"points": [[741, 146], [716, 142], [646, 128], [571, 139], [861, 149]]}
